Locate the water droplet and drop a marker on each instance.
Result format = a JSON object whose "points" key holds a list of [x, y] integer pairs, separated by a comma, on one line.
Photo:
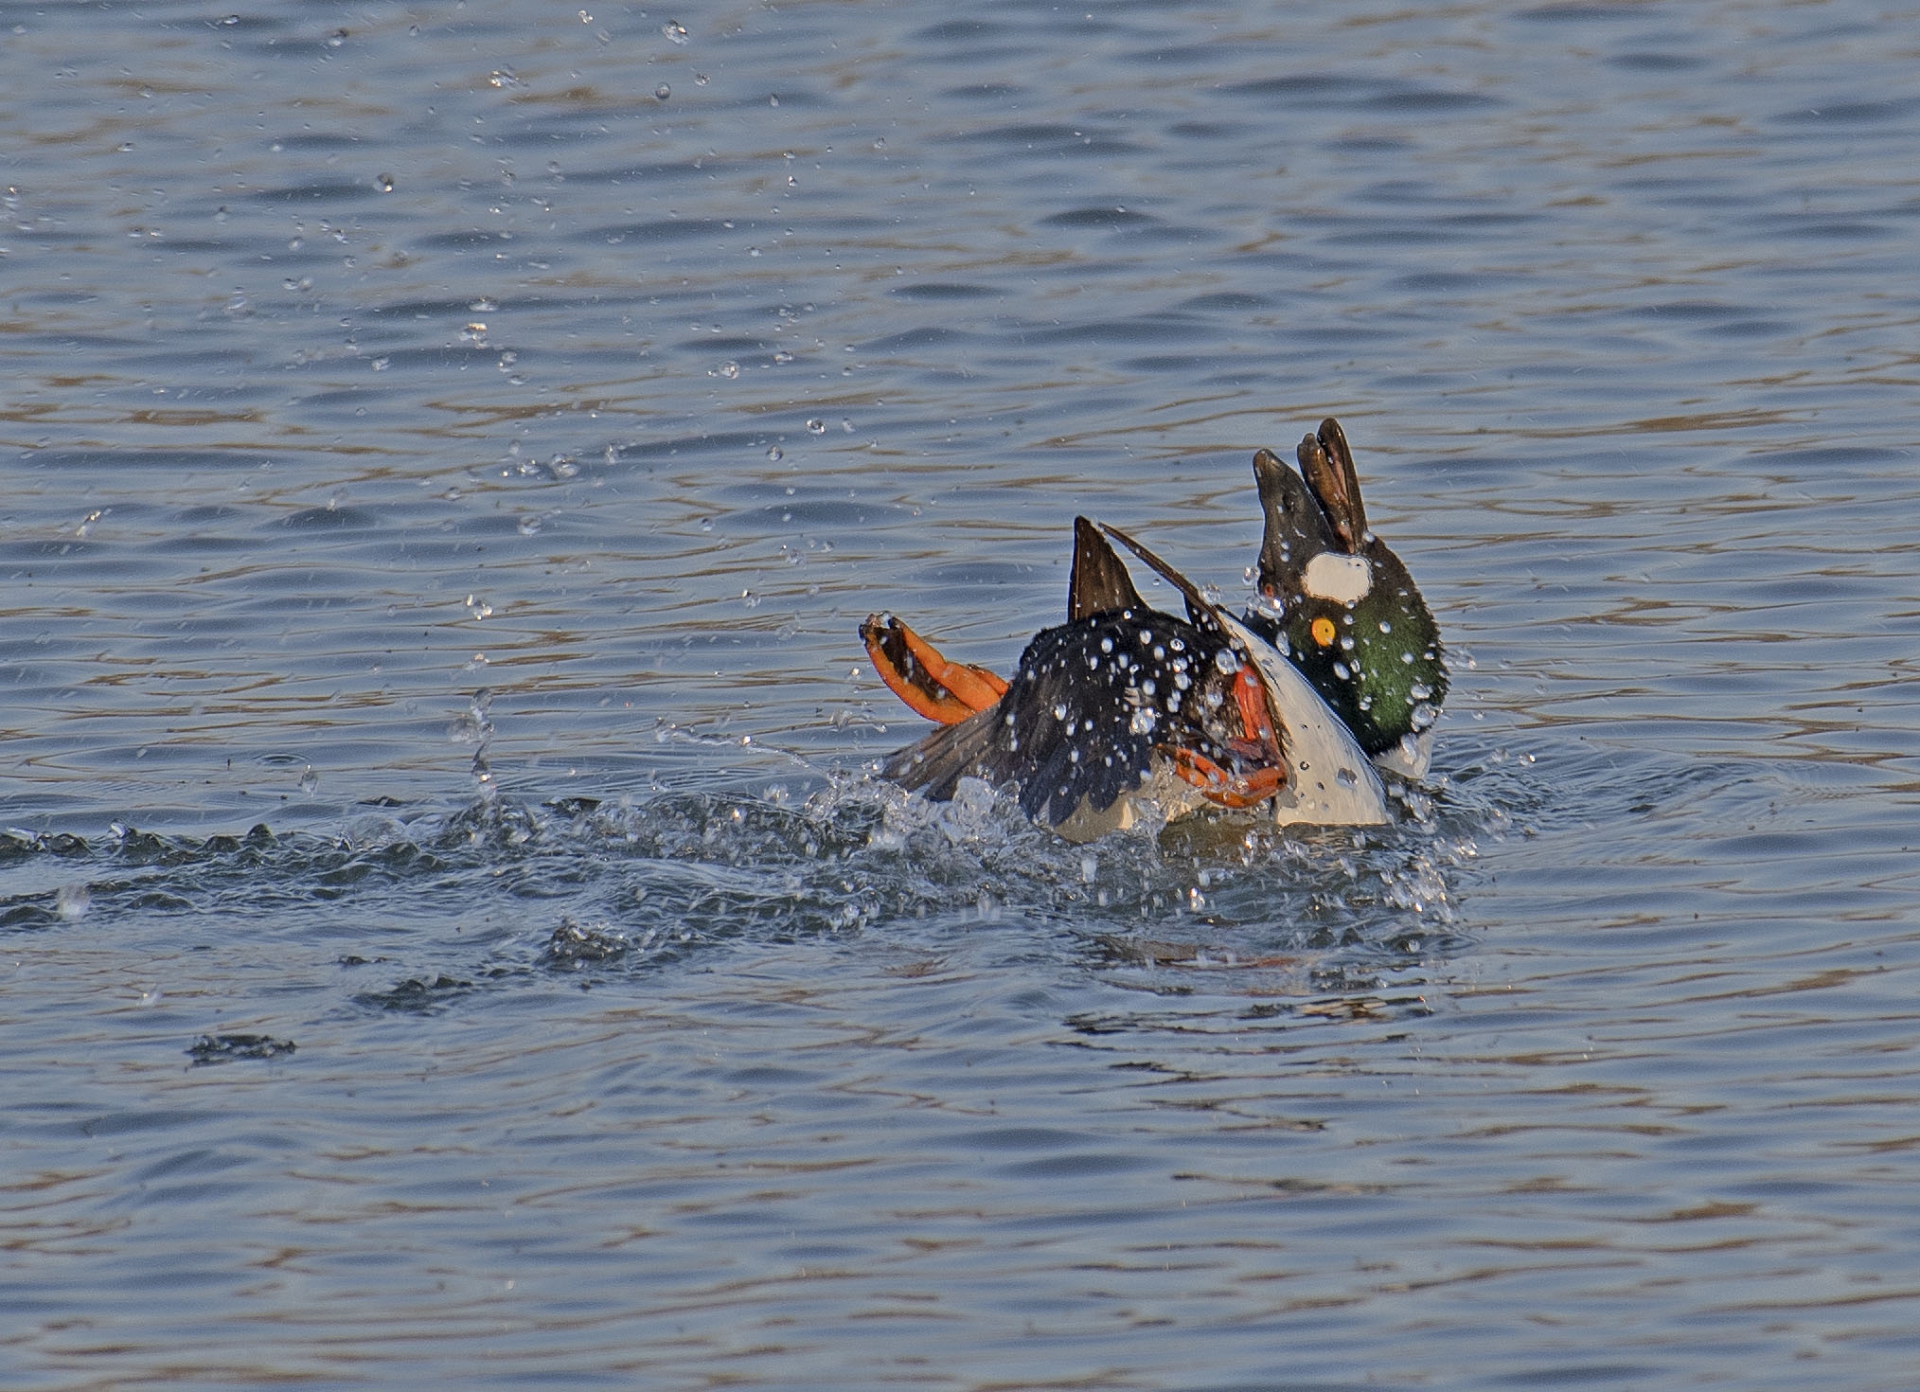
{"points": [[729, 370], [1143, 721], [383, 182], [530, 524], [706, 524], [775, 453], [1059, 710], [504, 77], [662, 92], [71, 902], [699, 79], [1420, 691], [675, 30], [1227, 660], [816, 427]]}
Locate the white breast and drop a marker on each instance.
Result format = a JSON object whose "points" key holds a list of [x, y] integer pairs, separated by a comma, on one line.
{"points": [[1329, 781]]}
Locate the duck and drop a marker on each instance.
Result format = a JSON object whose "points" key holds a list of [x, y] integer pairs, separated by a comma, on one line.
{"points": [[1336, 600], [1126, 715]]}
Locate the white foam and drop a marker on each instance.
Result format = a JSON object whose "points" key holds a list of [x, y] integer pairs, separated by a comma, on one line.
{"points": [[1410, 758]]}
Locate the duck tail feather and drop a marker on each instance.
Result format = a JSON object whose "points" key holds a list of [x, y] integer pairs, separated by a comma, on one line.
{"points": [[937, 763]]}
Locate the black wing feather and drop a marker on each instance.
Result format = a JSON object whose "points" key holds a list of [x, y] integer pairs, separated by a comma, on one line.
{"points": [[1100, 583], [1069, 729]]}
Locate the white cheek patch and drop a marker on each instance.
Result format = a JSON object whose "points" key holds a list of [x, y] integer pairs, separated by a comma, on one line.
{"points": [[1337, 579]]}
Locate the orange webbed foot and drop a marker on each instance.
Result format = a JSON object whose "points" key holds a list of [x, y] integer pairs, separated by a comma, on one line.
{"points": [[915, 671], [1225, 789]]}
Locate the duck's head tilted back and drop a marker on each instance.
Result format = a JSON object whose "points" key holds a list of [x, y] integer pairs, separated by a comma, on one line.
{"points": [[1338, 601]]}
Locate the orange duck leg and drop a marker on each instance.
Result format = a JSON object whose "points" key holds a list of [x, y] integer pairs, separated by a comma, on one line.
{"points": [[915, 671], [1269, 774], [1225, 789]]}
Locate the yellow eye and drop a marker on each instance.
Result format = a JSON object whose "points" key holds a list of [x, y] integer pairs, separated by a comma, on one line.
{"points": [[1322, 631]]}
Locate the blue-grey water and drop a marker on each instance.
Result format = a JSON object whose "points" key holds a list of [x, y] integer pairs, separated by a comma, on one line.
{"points": [[450, 933]]}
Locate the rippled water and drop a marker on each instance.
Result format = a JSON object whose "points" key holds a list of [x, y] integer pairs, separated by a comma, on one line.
{"points": [[449, 932]]}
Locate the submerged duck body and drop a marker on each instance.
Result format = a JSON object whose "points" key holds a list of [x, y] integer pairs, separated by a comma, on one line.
{"points": [[1338, 602], [1124, 712], [1090, 710]]}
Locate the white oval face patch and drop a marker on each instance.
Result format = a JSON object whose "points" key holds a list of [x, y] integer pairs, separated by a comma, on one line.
{"points": [[1337, 579]]}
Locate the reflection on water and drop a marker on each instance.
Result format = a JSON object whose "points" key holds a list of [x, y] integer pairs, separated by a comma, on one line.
{"points": [[449, 451]]}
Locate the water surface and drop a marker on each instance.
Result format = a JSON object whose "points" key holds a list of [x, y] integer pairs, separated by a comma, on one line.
{"points": [[448, 451]]}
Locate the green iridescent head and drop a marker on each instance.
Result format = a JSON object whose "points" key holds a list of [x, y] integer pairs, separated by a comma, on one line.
{"points": [[1341, 604]]}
